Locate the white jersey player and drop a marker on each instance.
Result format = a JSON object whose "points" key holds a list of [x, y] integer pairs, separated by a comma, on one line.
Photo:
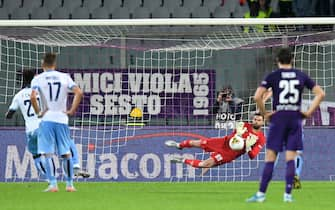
{"points": [[21, 101], [53, 88]]}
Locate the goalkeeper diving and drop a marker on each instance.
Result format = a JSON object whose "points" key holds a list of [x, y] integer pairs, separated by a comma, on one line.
{"points": [[246, 138]]}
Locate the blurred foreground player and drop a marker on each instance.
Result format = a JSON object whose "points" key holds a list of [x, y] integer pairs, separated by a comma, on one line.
{"points": [[222, 149], [285, 130]]}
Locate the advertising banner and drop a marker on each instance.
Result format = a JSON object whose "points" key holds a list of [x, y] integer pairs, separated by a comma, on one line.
{"points": [[161, 93], [144, 157]]}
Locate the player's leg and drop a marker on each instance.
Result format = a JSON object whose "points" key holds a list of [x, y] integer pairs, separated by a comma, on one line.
{"points": [[216, 158], [298, 163], [63, 142], [204, 171], [32, 148], [207, 144], [277, 159], [276, 137], [75, 157], [75, 160], [289, 177], [294, 143], [39, 166], [67, 165], [298, 168], [74, 154], [183, 144], [50, 171], [208, 163], [270, 158], [46, 147]]}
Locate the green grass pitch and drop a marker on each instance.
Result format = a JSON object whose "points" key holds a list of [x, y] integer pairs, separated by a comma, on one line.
{"points": [[163, 196]]}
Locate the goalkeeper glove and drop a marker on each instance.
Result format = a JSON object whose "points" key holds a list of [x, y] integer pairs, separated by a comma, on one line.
{"points": [[249, 142], [240, 129], [248, 149]]}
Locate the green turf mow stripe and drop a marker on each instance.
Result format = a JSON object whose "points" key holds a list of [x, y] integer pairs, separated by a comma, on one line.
{"points": [[163, 196]]}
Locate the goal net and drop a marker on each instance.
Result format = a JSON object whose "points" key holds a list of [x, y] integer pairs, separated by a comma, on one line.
{"points": [[151, 81]]}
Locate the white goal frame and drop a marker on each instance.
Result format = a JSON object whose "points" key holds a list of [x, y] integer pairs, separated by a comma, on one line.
{"points": [[203, 47], [170, 21]]}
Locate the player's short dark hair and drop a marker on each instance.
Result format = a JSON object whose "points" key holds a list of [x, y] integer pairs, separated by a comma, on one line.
{"points": [[258, 114], [27, 76], [49, 59], [284, 56]]}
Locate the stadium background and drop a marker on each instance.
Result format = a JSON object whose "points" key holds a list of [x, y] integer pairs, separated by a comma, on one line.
{"points": [[240, 68]]}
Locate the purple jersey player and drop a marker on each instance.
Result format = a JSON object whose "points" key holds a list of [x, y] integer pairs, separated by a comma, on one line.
{"points": [[287, 85]]}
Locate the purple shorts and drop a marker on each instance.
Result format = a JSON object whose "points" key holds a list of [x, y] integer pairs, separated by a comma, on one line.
{"points": [[285, 131]]}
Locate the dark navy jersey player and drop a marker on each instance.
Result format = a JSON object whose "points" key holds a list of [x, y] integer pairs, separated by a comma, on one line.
{"points": [[285, 130], [287, 87]]}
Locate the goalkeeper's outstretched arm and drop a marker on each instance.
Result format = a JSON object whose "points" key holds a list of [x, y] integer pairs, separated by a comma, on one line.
{"points": [[256, 148]]}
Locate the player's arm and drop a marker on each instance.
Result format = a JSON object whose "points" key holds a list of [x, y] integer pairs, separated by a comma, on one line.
{"points": [[240, 128], [34, 98], [34, 102], [256, 148], [319, 95], [9, 114], [258, 97], [78, 94], [267, 95], [12, 108]]}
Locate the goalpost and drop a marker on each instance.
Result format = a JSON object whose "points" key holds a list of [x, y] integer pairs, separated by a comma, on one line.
{"points": [[159, 79]]}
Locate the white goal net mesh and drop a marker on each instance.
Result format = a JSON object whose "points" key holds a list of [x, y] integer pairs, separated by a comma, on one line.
{"points": [[160, 83]]}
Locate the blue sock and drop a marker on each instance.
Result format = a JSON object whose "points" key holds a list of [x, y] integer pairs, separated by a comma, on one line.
{"points": [[277, 159], [266, 176], [40, 167], [74, 153], [298, 165], [289, 176], [49, 165], [68, 170]]}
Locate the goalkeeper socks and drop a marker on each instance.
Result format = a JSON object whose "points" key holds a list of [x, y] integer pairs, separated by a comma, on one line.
{"points": [[74, 153], [289, 176], [68, 170], [49, 166], [185, 144], [192, 162], [266, 177], [298, 165]]}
